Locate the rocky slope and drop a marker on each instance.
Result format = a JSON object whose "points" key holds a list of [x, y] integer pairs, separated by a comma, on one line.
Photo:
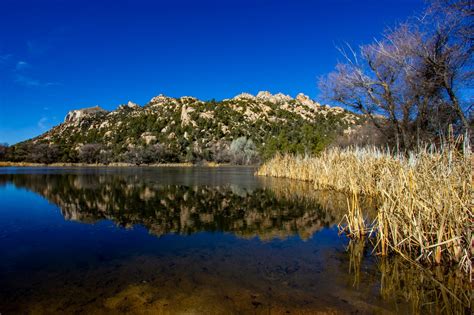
{"points": [[244, 129]]}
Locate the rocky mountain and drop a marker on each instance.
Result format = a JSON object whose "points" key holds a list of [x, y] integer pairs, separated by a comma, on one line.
{"points": [[243, 129]]}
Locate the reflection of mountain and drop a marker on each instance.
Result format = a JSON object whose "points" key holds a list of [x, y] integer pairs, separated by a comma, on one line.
{"points": [[268, 210]]}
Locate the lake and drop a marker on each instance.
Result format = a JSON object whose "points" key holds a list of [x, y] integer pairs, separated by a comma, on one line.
{"points": [[192, 240]]}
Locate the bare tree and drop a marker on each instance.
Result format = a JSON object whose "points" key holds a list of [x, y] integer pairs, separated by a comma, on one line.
{"points": [[3, 151], [219, 151], [412, 77], [90, 153], [42, 153], [243, 151], [145, 155]]}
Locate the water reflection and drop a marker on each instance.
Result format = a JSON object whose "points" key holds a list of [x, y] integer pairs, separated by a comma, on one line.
{"points": [[222, 242], [430, 291], [436, 290], [266, 211]]}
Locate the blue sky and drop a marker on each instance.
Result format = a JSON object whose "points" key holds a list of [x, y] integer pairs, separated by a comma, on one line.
{"points": [[66, 54]]}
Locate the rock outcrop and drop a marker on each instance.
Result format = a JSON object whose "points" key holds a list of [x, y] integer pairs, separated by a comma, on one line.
{"points": [[78, 114]]}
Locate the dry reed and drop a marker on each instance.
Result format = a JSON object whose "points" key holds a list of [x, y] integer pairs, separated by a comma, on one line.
{"points": [[424, 199]]}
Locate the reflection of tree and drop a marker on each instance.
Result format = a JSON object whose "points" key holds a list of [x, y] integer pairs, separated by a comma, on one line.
{"points": [[267, 212]]}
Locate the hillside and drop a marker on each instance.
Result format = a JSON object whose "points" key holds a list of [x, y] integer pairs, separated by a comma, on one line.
{"points": [[242, 130]]}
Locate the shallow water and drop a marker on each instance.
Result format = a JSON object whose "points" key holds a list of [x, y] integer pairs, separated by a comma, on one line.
{"points": [[188, 240]]}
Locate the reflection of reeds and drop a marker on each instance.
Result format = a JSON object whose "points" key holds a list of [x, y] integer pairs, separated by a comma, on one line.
{"points": [[356, 255], [332, 201], [424, 200], [428, 292]]}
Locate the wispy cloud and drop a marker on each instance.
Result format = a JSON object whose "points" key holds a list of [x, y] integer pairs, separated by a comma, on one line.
{"points": [[52, 84], [22, 72], [43, 123], [26, 80], [5, 58], [22, 65], [47, 120], [23, 77], [37, 46], [47, 41]]}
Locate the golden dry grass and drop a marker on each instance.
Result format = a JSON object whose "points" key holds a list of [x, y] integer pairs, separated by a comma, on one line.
{"points": [[11, 164], [424, 199]]}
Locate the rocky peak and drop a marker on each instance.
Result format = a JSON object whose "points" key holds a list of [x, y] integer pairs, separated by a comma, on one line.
{"points": [[132, 104], [129, 105], [265, 95], [243, 96], [188, 99], [305, 100], [302, 97], [269, 97], [162, 99], [78, 114], [280, 97]]}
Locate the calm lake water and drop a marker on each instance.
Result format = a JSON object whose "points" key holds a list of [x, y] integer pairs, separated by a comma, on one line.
{"points": [[192, 240]]}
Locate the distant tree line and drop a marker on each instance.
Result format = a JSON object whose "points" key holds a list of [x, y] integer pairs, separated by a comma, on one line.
{"points": [[241, 151]]}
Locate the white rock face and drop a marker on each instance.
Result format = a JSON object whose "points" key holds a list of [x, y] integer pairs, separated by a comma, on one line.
{"points": [[188, 99], [129, 105], [264, 95], [280, 97], [185, 118], [250, 115], [225, 129], [148, 137], [269, 97], [243, 96], [78, 114], [303, 99], [105, 124], [132, 104], [207, 115], [161, 99]]}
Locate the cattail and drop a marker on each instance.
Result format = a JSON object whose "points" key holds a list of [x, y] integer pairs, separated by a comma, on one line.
{"points": [[424, 199]]}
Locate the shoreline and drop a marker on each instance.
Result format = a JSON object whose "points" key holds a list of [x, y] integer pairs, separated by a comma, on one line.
{"points": [[119, 165]]}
